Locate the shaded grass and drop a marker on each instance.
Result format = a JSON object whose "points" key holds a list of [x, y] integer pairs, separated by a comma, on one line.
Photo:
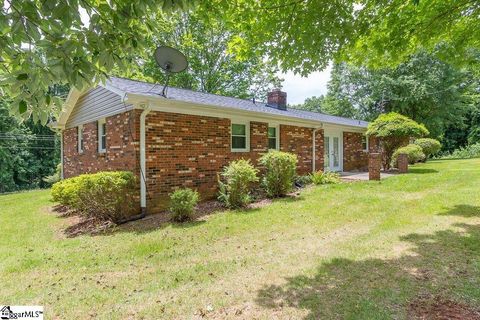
{"points": [[354, 250]]}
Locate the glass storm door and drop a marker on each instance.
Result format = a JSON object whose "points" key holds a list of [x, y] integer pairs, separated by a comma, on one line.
{"points": [[332, 155]]}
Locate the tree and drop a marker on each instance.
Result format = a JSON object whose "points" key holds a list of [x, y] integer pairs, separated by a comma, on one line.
{"points": [[47, 42], [305, 35], [394, 130], [313, 104], [213, 68], [28, 152], [423, 88]]}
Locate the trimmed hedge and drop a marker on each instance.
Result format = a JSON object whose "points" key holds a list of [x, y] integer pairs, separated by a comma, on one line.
{"points": [[104, 195], [413, 151], [429, 146]]}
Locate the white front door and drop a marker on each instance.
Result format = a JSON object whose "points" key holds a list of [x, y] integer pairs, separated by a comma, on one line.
{"points": [[333, 151]]}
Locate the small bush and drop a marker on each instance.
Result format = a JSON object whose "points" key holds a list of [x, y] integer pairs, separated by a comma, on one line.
{"points": [[303, 180], [413, 151], [280, 172], [238, 178], [429, 146], [328, 177], [182, 204], [104, 195], [468, 152]]}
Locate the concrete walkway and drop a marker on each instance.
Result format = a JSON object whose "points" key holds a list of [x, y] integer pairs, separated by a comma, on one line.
{"points": [[361, 176]]}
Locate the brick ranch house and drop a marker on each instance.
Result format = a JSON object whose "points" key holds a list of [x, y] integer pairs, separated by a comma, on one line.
{"points": [[187, 137]]}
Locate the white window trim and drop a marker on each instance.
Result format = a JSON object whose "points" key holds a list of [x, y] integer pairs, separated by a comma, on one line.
{"points": [[80, 140], [277, 132], [247, 135], [99, 131], [367, 145]]}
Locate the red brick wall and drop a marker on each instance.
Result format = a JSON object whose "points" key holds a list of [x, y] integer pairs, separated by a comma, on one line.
{"points": [[183, 151], [189, 151], [298, 140], [122, 153], [319, 150], [354, 157]]}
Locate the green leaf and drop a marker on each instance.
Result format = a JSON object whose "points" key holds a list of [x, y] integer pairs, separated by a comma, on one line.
{"points": [[22, 107], [22, 76]]}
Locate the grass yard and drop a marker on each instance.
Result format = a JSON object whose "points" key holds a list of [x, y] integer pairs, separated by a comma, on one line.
{"points": [[404, 247]]}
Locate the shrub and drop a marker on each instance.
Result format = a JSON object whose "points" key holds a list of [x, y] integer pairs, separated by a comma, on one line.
{"points": [[393, 129], [280, 170], [66, 192], [182, 204], [104, 195], [471, 151], [328, 177], [413, 152], [429, 146], [303, 180], [238, 178]]}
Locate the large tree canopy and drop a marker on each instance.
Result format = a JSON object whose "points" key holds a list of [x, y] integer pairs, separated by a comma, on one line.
{"points": [[303, 35], [213, 67], [423, 88], [46, 42]]}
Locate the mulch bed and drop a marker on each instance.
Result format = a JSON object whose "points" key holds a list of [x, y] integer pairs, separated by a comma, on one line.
{"points": [[79, 225], [438, 308]]}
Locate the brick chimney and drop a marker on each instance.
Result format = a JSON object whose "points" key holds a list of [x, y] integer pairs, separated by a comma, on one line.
{"points": [[277, 99]]}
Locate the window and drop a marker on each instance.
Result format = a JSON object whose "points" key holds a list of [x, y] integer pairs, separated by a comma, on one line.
{"points": [[102, 136], [80, 138], [273, 138], [365, 142], [239, 137]]}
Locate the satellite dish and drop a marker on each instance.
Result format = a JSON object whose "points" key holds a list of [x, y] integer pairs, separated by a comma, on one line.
{"points": [[171, 61]]}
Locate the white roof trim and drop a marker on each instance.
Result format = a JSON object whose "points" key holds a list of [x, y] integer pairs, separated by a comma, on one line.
{"points": [[160, 103]]}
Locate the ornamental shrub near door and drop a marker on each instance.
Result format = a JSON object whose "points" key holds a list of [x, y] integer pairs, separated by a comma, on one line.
{"points": [[280, 172]]}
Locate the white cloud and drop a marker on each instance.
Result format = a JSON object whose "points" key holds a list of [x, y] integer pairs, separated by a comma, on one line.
{"points": [[298, 88]]}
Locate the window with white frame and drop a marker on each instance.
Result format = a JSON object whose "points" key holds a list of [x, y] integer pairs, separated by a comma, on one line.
{"points": [[240, 132], [273, 140], [80, 138], [102, 136], [365, 142]]}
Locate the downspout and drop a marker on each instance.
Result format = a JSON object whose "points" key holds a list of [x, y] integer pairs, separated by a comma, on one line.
{"points": [[61, 154], [143, 172], [314, 149]]}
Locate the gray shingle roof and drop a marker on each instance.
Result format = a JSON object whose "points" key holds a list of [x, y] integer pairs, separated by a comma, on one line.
{"points": [[149, 89]]}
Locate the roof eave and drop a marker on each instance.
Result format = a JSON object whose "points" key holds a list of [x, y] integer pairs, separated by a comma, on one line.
{"points": [[138, 99]]}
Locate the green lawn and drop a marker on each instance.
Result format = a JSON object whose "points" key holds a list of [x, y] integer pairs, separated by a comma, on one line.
{"points": [[354, 250]]}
